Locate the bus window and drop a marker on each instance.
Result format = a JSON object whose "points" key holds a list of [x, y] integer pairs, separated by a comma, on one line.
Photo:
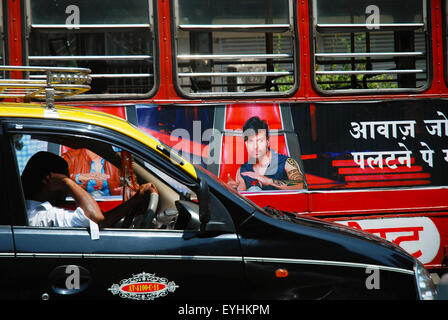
{"points": [[234, 47], [370, 46], [112, 38]]}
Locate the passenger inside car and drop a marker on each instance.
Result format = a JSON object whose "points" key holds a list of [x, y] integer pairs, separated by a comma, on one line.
{"points": [[46, 184], [176, 207], [92, 172]]}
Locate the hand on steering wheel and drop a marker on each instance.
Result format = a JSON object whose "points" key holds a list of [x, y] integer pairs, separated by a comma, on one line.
{"points": [[146, 189], [145, 192]]}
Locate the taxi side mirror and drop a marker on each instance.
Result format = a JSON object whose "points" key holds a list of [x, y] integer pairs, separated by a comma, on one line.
{"points": [[221, 221], [204, 203]]}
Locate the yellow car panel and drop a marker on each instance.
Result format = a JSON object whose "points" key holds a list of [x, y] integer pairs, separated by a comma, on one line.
{"points": [[92, 117]]}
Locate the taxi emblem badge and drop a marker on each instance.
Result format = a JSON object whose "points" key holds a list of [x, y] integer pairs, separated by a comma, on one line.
{"points": [[143, 286]]}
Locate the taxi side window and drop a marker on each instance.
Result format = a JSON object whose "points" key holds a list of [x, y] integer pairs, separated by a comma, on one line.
{"points": [[92, 172], [95, 174], [25, 147], [111, 175]]}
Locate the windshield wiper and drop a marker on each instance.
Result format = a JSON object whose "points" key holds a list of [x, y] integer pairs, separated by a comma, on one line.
{"points": [[280, 214]]}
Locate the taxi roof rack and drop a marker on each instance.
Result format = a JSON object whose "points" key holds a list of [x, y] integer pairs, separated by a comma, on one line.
{"points": [[47, 83]]}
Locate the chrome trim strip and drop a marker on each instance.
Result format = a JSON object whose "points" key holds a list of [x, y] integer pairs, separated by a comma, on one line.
{"points": [[416, 188], [234, 26], [327, 191], [272, 192], [362, 25], [92, 26], [129, 256], [212, 258], [403, 71], [235, 74], [327, 262], [6, 254], [121, 75], [369, 54], [97, 57], [232, 56], [44, 69]]}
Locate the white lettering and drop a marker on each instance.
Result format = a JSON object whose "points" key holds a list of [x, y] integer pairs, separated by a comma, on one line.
{"points": [[373, 20], [73, 20], [427, 154], [409, 128], [373, 281], [407, 156], [73, 280], [434, 127], [358, 158], [211, 154], [183, 138], [385, 128], [376, 158], [197, 137], [245, 309], [191, 310], [445, 151], [361, 129]]}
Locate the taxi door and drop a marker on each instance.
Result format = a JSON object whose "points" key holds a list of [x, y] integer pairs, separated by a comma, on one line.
{"points": [[137, 264], [7, 260], [68, 264]]}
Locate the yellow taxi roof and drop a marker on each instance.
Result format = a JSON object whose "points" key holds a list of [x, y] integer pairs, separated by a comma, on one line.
{"points": [[87, 116]]}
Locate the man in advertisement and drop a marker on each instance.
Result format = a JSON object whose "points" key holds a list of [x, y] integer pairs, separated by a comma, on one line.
{"points": [[266, 169]]}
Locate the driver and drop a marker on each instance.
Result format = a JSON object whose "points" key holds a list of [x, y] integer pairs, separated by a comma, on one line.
{"points": [[46, 184]]}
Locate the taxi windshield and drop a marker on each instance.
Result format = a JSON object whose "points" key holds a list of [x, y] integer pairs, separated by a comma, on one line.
{"points": [[233, 191], [268, 210]]}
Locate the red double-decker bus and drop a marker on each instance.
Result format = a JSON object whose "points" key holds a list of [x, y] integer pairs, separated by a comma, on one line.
{"points": [[354, 92]]}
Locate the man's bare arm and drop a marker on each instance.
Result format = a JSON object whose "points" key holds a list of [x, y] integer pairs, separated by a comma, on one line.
{"points": [[295, 177], [91, 208], [294, 181], [83, 199]]}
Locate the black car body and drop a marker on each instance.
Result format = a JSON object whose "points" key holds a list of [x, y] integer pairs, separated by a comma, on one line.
{"points": [[220, 245]]}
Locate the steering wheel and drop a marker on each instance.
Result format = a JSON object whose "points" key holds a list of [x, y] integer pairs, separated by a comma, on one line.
{"points": [[144, 221]]}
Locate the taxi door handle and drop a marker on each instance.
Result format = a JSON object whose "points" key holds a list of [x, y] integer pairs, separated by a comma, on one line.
{"points": [[69, 279]]}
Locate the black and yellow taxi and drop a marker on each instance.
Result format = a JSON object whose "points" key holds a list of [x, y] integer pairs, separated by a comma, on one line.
{"points": [[204, 241]]}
